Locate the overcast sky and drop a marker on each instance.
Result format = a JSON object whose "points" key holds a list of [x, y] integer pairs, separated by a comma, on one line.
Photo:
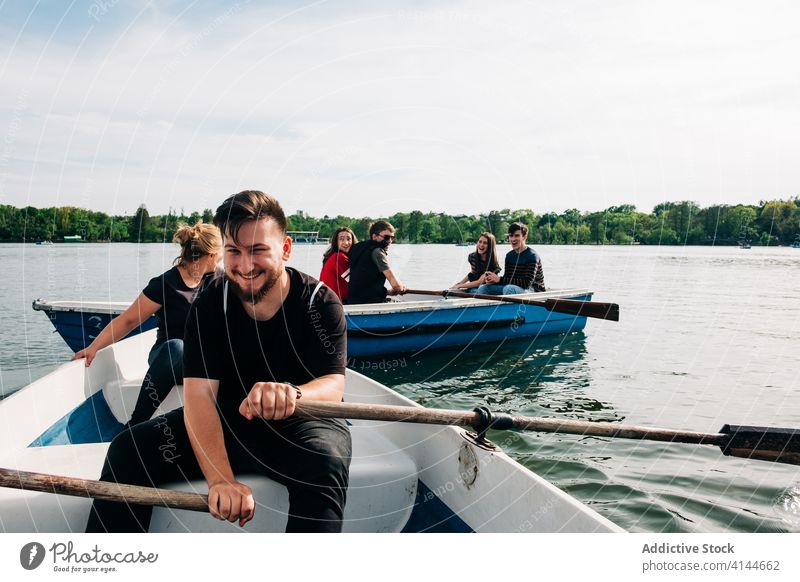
{"points": [[368, 108]]}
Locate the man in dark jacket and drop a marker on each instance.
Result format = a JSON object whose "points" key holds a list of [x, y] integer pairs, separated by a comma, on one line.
{"points": [[369, 267]]}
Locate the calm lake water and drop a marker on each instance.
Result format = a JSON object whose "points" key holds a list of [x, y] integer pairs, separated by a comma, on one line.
{"points": [[707, 336]]}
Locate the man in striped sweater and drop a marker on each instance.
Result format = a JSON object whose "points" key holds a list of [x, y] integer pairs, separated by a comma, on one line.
{"points": [[523, 268]]}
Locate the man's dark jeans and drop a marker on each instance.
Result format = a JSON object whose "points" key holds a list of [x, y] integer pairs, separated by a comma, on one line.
{"points": [[310, 457]]}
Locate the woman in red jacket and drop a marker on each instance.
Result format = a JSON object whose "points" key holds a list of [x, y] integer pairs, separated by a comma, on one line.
{"points": [[335, 263]]}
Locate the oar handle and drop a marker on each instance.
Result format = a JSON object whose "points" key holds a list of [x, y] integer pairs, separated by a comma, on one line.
{"points": [[384, 412], [594, 309], [103, 490]]}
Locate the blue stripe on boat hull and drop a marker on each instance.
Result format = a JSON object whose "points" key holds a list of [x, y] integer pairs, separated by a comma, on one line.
{"points": [[90, 422], [79, 329], [432, 515]]}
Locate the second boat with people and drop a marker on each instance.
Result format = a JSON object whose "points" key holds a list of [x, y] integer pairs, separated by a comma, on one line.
{"points": [[413, 323], [409, 321]]}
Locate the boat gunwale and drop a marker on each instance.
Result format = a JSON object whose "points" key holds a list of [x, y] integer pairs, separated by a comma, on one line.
{"points": [[116, 307]]}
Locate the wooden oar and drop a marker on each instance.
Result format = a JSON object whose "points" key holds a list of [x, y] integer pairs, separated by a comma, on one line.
{"points": [[780, 445], [102, 490], [594, 309]]}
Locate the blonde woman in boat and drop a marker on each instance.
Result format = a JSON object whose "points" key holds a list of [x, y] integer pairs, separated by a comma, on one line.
{"points": [[168, 297], [482, 261]]}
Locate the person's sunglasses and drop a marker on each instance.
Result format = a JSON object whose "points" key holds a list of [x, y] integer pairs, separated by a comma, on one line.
{"points": [[389, 237]]}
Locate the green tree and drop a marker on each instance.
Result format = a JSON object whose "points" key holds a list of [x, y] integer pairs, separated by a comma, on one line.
{"points": [[584, 234], [139, 225], [414, 227], [779, 221], [597, 227], [739, 221], [497, 224], [622, 209], [430, 231], [680, 217], [571, 216]]}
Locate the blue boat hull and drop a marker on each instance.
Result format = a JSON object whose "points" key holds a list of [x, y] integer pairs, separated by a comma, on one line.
{"points": [[374, 335], [397, 331], [80, 328]]}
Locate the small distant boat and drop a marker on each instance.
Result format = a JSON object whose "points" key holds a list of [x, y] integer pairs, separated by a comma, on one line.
{"points": [[464, 244], [310, 237], [73, 238], [413, 324], [403, 477], [744, 242], [43, 243]]}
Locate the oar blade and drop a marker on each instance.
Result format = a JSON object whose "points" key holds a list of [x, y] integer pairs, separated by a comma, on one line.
{"points": [[779, 445], [595, 309]]}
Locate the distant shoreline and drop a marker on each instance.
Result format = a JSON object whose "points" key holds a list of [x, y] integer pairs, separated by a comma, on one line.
{"points": [[682, 223]]}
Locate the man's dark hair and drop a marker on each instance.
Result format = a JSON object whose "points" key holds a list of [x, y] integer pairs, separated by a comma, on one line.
{"points": [[246, 206], [379, 225], [515, 226]]}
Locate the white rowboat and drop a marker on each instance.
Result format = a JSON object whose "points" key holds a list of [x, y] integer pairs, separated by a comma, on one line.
{"points": [[403, 477]]}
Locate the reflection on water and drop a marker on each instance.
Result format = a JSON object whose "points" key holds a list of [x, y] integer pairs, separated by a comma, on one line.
{"points": [[503, 360], [788, 507], [541, 377], [645, 486]]}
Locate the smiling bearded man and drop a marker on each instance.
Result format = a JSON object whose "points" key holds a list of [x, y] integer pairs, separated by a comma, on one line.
{"points": [[245, 285], [252, 347]]}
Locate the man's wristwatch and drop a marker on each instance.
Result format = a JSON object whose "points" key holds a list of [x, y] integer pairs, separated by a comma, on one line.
{"points": [[298, 394]]}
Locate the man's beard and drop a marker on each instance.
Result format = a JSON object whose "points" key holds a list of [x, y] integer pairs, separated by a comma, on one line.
{"points": [[253, 297]]}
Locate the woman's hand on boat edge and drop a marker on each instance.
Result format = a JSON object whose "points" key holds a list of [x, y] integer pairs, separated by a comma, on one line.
{"points": [[87, 353], [119, 327], [231, 501]]}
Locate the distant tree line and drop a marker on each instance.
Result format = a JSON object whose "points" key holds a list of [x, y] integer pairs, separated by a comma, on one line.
{"points": [[776, 222]]}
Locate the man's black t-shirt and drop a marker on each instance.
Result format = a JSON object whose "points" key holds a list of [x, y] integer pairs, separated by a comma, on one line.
{"points": [[304, 340], [175, 298]]}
